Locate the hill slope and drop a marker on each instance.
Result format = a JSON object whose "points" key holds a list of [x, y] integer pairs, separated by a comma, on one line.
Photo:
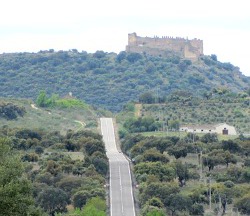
{"points": [[110, 80], [53, 119], [234, 113]]}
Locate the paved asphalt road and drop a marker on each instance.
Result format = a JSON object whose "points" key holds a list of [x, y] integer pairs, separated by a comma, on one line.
{"points": [[121, 195]]}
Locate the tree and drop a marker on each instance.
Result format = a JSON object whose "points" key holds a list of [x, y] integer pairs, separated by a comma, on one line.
{"points": [[30, 157], [42, 99], [133, 57], [53, 167], [101, 165], [197, 209], [154, 155], [160, 190], [155, 202], [218, 156], [181, 172], [174, 124], [207, 95], [214, 57], [15, 190], [147, 98], [183, 65], [178, 150], [11, 111], [141, 124], [39, 150], [178, 202], [229, 158], [70, 183], [122, 55], [156, 212], [80, 198], [164, 172], [99, 54], [231, 146], [53, 200], [93, 145], [243, 204], [209, 138], [94, 207]]}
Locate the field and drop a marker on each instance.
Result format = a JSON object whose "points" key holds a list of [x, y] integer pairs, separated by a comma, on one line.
{"points": [[235, 113], [183, 134]]}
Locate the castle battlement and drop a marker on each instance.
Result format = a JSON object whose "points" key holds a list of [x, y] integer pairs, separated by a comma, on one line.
{"points": [[165, 45]]}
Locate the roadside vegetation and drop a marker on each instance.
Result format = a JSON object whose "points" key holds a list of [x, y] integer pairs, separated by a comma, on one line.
{"points": [[39, 176], [177, 176], [179, 173]]}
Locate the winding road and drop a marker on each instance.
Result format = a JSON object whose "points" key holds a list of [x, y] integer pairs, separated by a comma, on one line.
{"points": [[121, 193]]}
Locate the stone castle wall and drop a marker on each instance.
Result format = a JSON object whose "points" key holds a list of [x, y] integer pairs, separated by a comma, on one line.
{"points": [[190, 49]]}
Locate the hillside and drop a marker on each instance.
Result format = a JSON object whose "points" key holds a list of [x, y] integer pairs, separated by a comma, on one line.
{"points": [[110, 80], [180, 108], [236, 114], [47, 119]]}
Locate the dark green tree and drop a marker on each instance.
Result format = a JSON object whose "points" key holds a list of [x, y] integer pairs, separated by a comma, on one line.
{"points": [[231, 146], [154, 155], [15, 190], [122, 55], [178, 150], [147, 98], [214, 57], [243, 204], [178, 202], [134, 57], [209, 138], [42, 99], [181, 172], [53, 200], [80, 198]]}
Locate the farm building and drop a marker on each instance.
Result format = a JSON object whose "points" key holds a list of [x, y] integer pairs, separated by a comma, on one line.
{"points": [[221, 128]]}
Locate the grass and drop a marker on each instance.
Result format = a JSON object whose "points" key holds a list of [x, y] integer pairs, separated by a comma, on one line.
{"points": [[164, 133], [183, 134], [54, 119], [75, 155]]}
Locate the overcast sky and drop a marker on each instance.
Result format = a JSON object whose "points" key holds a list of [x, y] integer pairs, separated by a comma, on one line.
{"points": [[33, 25]]}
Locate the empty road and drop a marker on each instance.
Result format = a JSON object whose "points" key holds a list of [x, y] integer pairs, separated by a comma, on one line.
{"points": [[121, 194]]}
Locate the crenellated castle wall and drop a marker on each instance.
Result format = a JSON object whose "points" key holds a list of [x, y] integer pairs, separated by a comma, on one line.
{"points": [[190, 49]]}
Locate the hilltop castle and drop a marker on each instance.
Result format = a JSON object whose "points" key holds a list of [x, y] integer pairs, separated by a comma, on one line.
{"points": [[165, 46]]}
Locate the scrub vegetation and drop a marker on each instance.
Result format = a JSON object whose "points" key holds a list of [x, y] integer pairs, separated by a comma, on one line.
{"points": [[111, 80]]}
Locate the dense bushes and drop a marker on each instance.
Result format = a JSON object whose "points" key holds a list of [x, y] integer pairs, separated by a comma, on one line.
{"points": [[141, 124], [110, 80], [163, 179], [58, 177], [54, 101], [11, 111]]}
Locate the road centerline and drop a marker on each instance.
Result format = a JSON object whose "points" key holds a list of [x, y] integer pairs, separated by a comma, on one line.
{"points": [[121, 192]]}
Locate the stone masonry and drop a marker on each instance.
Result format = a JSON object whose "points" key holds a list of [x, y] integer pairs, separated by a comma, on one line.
{"points": [[165, 46]]}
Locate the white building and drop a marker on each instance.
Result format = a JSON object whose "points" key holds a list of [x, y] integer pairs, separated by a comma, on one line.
{"points": [[221, 128]]}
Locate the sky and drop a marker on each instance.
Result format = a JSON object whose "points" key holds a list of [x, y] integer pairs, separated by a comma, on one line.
{"points": [[34, 25]]}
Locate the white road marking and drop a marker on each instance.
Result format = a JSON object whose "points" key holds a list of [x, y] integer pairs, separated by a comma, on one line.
{"points": [[113, 153]]}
